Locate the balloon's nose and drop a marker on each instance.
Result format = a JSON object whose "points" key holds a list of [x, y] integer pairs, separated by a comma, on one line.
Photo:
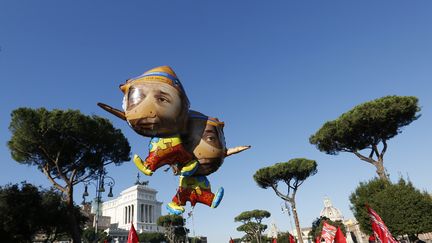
{"points": [[148, 109]]}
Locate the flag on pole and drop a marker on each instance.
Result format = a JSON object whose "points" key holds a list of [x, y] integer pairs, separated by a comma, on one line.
{"points": [[291, 238], [339, 237], [231, 240], [132, 236], [379, 228], [328, 232], [318, 239]]}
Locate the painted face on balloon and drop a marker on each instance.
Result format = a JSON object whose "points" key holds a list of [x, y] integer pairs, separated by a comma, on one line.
{"points": [[154, 103], [206, 140], [154, 109]]}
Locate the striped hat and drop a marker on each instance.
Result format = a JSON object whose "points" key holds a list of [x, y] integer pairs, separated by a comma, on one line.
{"points": [[162, 74], [209, 120]]}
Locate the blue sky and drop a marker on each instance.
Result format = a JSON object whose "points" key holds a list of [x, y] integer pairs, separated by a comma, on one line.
{"points": [[274, 72]]}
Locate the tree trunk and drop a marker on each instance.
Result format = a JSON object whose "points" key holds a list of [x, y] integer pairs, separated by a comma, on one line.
{"points": [[74, 225], [379, 163], [170, 234], [381, 170], [296, 220], [258, 237]]}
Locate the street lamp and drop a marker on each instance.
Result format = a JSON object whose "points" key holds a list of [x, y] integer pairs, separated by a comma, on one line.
{"points": [[285, 207], [101, 181]]}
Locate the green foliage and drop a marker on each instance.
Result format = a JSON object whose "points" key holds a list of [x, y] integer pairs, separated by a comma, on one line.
{"points": [[55, 214], [367, 124], [170, 220], [364, 194], [283, 237], [65, 143], [252, 225], [247, 238], [196, 240], [89, 236], [67, 146], [174, 227], [151, 237], [26, 210], [252, 215], [317, 225], [403, 208], [19, 211], [295, 171]]}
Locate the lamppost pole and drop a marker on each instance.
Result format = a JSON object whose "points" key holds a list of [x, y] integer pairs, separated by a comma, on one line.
{"points": [[100, 183], [286, 209], [98, 199]]}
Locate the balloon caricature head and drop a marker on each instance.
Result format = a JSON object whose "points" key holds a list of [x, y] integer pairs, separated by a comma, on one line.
{"points": [[154, 103], [205, 138]]}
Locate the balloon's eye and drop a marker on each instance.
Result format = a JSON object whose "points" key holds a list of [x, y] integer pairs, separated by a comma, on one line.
{"points": [[210, 138], [135, 97], [162, 99]]}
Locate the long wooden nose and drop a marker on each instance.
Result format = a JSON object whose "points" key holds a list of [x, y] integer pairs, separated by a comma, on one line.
{"points": [[118, 113], [147, 108], [236, 150]]}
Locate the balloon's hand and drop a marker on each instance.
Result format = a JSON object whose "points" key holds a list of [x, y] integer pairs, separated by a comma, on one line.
{"points": [[174, 169]]}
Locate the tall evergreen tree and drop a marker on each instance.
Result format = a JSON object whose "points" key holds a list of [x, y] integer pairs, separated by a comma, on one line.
{"points": [[174, 227], [293, 173], [67, 146], [368, 126], [404, 209], [26, 210], [252, 223]]}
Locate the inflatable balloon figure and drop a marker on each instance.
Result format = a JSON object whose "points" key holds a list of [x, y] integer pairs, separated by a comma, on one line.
{"points": [[206, 139], [155, 105]]}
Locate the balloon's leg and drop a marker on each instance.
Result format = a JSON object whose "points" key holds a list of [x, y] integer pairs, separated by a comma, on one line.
{"points": [[174, 208], [142, 166], [218, 198]]}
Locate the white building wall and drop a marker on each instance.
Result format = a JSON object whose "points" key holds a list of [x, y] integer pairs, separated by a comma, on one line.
{"points": [[137, 203]]}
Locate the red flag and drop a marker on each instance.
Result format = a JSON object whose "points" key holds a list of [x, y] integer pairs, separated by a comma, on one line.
{"points": [[318, 239], [274, 240], [231, 240], [379, 228], [291, 238], [132, 236], [339, 236], [328, 232]]}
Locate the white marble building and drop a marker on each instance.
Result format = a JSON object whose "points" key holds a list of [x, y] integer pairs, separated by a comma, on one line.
{"points": [[354, 235], [138, 204], [331, 212]]}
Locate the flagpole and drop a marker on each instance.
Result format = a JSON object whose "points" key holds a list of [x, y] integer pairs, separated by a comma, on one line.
{"points": [[379, 228]]}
